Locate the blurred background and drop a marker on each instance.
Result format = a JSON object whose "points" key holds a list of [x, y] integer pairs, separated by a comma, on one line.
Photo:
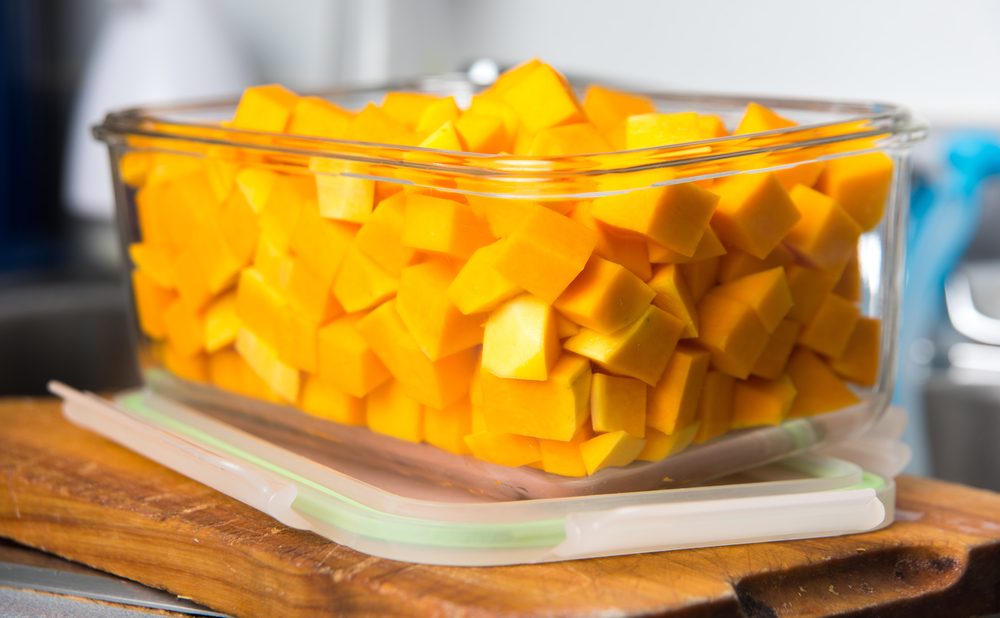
{"points": [[64, 63]]}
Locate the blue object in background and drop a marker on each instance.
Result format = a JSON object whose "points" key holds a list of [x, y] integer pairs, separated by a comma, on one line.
{"points": [[943, 221]]}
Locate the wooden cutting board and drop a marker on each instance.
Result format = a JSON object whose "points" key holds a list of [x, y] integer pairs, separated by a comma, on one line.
{"points": [[74, 494]]}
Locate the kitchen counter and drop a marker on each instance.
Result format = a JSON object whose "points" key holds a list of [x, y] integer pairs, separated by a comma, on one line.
{"points": [[79, 496]]}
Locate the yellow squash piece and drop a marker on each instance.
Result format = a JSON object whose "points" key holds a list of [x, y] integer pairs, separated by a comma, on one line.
{"points": [[185, 328], [192, 367], [732, 332], [849, 284], [151, 301], [545, 253], [674, 297], [504, 448], [673, 402], [296, 345], [317, 117], [715, 406], [700, 276], [859, 362], [604, 297], [444, 137], [520, 340], [708, 247], [618, 404], [480, 132], [221, 323], [610, 450], [553, 409], [341, 193], [372, 124], [818, 387], [629, 251], [225, 370], [830, 329], [262, 358], [654, 129], [757, 118], [674, 216], [345, 360], [609, 109], [659, 445], [391, 411], [810, 288], [407, 107], [564, 458], [361, 283], [541, 98], [771, 362], [239, 228], [639, 350], [762, 402], [265, 108], [436, 114], [260, 307], [570, 139], [324, 400], [434, 321], [478, 287], [826, 235], [381, 237], [322, 243], [443, 226], [766, 292], [309, 296], [860, 184], [447, 427], [736, 263], [155, 262], [433, 383], [754, 213]]}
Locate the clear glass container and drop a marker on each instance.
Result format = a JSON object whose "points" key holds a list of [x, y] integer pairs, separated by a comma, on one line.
{"points": [[341, 341]]}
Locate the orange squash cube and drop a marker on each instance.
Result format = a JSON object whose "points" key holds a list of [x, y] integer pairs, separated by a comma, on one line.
{"points": [[609, 109], [569, 139], [504, 448], [380, 238], [564, 457], [715, 406], [322, 243], [629, 251], [754, 213], [700, 276], [541, 98], [309, 296], [859, 362], [225, 370], [545, 253], [445, 137], [434, 321], [265, 108], [762, 402], [618, 404], [436, 114], [155, 262], [708, 247], [317, 117], [407, 107], [604, 297], [151, 301], [443, 226], [192, 367], [849, 284], [825, 235], [482, 132], [447, 427], [553, 409], [520, 340], [674, 216], [818, 387], [732, 332], [263, 359], [260, 307], [296, 345], [766, 292], [185, 328], [390, 411], [757, 118], [340, 194], [674, 297], [736, 263], [860, 185], [361, 283], [673, 402], [654, 129], [324, 400], [771, 362], [638, 350], [478, 287], [239, 228], [810, 288], [345, 360], [830, 329], [609, 450], [433, 383], [660, 445], [372, 124], [221, 323]]}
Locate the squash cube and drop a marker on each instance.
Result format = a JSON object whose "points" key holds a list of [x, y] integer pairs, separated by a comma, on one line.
{"points": [[390, 411], [259, 306], [324, 400], [545, 254], [700, 276], [732, 332], [639, 350], [610, 450], [715, 406], [341, 194], [818, 387], [238, 225], [317, 117], [381, 237], [849, 284], [345, 360], [766, 292], [225, 370], [443, 226], [754, 213], [860, 184], [504, 448], [447, 427], [434, 321], [433, 383], [771, 362], [859, 362], [155, 262], [221, 323], [660, 445], [265, 108], [151, 301], [809, 287], [263, 359], [674, 216], [674, 297], [673, 402], [762, 402], [709, 246], [629, 251], [322, 243], [478, 287], [192, 279], [361, 283], [309, 296], [520, 340], [830, 329], [736, 263], [185, 328], [192, 367], [826, 235], [256, 185], [479, 132], [655, 129], [296, 345], [757, 118], [568, 139], [407, 107], [280, 214], [553, 409], [609, 109], [604, 297], [564, 457], [541, 98], [617, 404]]}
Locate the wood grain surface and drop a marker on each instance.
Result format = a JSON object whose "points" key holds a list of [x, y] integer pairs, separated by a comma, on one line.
{"points": [[74, 494]]}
